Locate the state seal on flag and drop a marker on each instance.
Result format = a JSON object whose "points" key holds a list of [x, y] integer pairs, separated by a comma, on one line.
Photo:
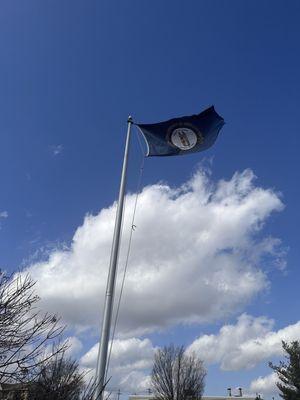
{"points": [[184, 137]]}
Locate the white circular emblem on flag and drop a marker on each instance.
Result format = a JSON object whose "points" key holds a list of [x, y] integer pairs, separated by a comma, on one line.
{"points": [[184, 138]]}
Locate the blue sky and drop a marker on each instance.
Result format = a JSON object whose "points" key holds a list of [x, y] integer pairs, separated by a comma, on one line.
{"points": [[70, 74]]}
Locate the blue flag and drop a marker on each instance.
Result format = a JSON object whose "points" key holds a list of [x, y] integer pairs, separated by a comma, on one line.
{"points": [[183, 135]]}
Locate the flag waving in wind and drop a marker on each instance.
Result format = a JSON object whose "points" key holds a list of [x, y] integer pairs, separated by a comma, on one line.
{"points": [[177, 136], [183, 135]]}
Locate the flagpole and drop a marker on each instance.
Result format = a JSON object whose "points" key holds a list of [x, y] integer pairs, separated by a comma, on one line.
{"points": [[110, 288]]}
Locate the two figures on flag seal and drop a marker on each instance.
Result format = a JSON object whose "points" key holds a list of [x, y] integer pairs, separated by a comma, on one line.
{"points": [[184, 137]]}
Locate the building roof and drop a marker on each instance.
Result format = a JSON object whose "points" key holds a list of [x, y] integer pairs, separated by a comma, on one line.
{"points": [[151, 397]]}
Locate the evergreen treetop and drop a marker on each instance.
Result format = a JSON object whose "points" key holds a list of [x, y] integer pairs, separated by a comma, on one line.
{"points": [[288, 372]]}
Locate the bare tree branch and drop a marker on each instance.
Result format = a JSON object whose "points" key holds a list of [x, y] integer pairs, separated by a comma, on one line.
{"points": [[177, 375], [61, 379], [24, 330]]}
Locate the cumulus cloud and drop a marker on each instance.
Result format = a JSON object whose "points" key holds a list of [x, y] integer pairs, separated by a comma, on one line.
{"points": [[74, 346], [130, 362], [265, 385], [243, 345], [197, 256]]}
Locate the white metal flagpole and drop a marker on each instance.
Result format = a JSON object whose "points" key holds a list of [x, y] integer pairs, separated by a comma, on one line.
{"points": [[110, 288]]}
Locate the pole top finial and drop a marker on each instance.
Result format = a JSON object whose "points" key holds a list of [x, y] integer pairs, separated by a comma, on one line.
{"points": [[129, 119]]}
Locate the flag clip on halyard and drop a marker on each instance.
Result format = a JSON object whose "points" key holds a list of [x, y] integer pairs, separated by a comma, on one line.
{"points": [[184, 135]]}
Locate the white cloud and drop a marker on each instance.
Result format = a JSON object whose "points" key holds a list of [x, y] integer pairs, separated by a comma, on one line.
{"points": [[133, 352], [197, 256], [265, 385], [245, 344], [3, 214], [74, 346], [130, 363], [56, 149]]}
